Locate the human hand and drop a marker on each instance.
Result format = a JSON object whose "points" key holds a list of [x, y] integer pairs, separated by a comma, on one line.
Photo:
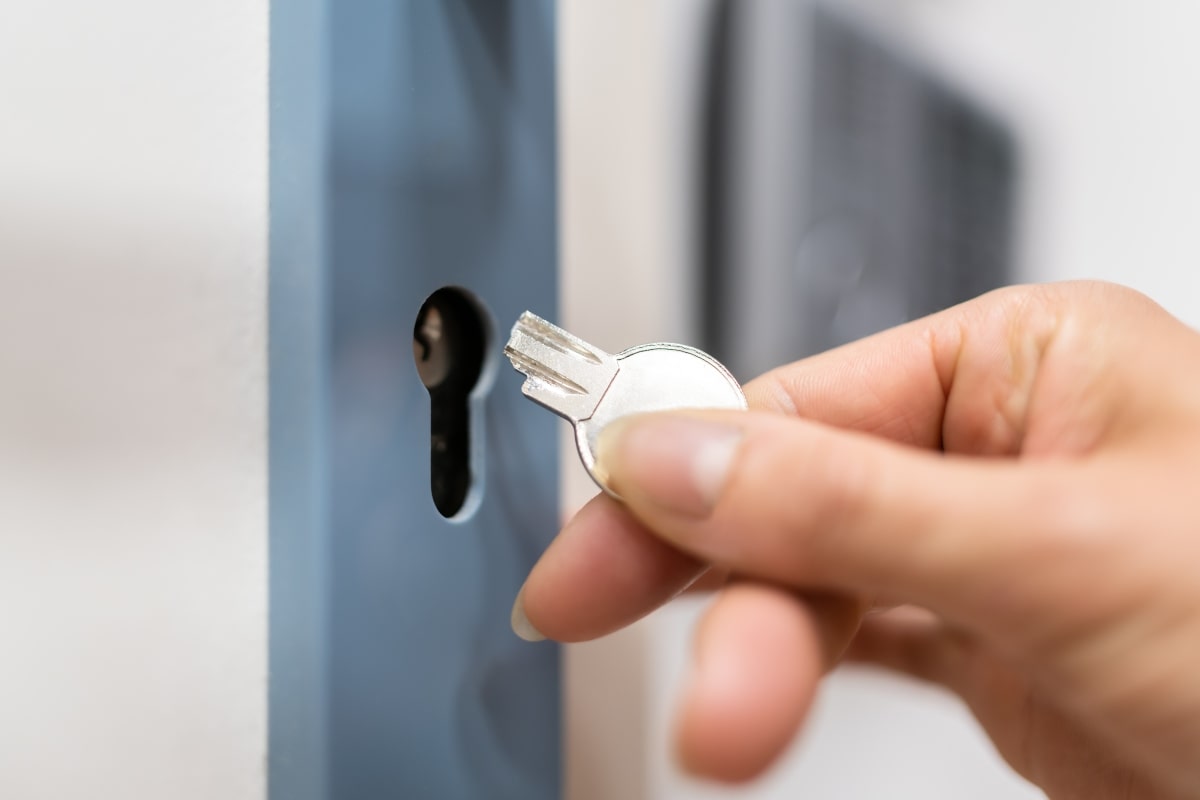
{"points": [[1020, 472]]}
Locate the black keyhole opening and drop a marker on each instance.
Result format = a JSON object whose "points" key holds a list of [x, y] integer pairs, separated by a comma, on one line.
{"points": [[450, 341]]}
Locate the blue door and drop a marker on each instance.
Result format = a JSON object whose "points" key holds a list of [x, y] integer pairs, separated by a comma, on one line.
{"points": [[412, 149]]}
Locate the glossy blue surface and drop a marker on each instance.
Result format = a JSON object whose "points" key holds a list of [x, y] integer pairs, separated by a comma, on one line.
{"points": [[412, 147]]}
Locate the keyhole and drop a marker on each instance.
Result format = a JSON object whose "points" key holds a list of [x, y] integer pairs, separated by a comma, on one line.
{"points": [[450, 345]]}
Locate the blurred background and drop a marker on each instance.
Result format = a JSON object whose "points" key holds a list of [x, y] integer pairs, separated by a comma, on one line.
{"points": [[761, 178], [769, 178]]}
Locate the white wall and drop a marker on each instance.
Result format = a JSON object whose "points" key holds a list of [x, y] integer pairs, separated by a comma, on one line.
{"points": [[133, 147], [1108, 100], [1107, 97]]}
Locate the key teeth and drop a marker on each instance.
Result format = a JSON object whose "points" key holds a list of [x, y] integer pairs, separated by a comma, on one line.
{"points": [[555, 337], [540, 375], [563, 373]]}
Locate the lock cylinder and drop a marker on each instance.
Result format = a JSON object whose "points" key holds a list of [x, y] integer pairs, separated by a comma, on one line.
{"points": [[450, 345]]}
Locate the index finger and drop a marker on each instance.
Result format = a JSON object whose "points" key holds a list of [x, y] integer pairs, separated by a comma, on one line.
{"points": [[926, 383]]}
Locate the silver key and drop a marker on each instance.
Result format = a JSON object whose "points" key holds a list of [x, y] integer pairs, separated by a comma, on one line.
{"points": [[591, 388]]}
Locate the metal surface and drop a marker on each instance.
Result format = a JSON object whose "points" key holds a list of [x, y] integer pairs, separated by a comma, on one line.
{"points": [[564, 373], [412, 148], [592, 389]]}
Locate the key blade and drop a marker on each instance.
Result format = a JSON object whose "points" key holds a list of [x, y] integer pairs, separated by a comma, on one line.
{"points": [[562, 372]]}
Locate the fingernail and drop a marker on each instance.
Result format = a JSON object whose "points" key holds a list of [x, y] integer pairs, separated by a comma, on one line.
{"points": [[679, 464], [520, 623]]}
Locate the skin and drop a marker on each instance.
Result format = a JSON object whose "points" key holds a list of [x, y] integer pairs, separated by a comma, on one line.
{"points": [[1003, 499]]}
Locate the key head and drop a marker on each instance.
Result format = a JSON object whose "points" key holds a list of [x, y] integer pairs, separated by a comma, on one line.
{"points": [[657, 377]]}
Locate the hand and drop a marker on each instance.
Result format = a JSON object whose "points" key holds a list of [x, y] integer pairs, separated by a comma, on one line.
{"points": [[1021, 472]]}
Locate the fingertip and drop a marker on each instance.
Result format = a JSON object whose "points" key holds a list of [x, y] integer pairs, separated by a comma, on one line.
{"points": [[676, 463], [602, 572], [519, 620]]}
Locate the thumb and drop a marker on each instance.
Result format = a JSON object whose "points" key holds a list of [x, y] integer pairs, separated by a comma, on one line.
{"points": [[793, 502]]}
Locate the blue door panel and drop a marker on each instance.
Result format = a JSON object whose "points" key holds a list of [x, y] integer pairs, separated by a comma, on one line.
{"points": [[412, 147]]}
